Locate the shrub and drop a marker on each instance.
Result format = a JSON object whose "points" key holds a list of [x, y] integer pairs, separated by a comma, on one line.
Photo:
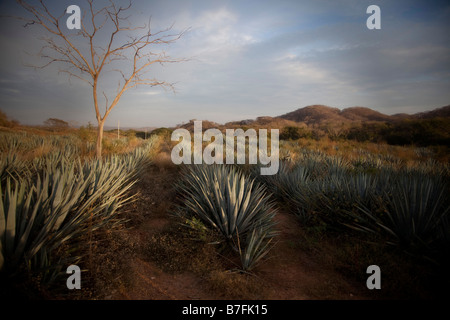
{"points": [[163, 132], [5, 122]]}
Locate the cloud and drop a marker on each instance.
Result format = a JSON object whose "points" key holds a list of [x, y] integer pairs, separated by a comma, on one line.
{"points": [[10, 90], [216, 36], [252, 58], [151, 93]]}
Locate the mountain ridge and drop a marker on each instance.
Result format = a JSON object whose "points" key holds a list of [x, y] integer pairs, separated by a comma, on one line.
{"points": [[316, 114]]}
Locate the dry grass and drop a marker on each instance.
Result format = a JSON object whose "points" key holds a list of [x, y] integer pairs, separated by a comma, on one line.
{"points": [[163, 162], [40, 151], [352, 149], [233, 285], [178, 250]]}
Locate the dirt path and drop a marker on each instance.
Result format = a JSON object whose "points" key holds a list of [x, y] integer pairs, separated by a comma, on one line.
{"points": [[293, 274], [288, 274], [149, 216]]}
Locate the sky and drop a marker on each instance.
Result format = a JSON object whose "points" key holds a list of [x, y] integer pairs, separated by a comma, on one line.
{"points": [[244, 59]]}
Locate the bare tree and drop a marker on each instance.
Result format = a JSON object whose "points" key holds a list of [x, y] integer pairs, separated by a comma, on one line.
{"points": [[105, 39]]}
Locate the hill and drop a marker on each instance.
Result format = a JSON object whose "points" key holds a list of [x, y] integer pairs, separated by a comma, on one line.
{"points": [[320, 114], [264, 122], [315, 114], [364, 114], [443, 112], [355, 123]]}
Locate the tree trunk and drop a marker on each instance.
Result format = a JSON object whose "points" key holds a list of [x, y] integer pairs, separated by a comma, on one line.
{"points": [[99, 139]]}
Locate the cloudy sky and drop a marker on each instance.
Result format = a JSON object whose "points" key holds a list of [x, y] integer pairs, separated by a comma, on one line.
{"points": [[246, 59]]}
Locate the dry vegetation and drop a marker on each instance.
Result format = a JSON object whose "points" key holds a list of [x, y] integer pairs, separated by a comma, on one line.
{"points": [[151, 254]]}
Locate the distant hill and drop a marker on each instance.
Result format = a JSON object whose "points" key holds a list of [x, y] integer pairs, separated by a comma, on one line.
{"points": [[443, 112], [319, 114], [259, 123], [315, 114], [264, 123], [364, 114], [205, 125]]}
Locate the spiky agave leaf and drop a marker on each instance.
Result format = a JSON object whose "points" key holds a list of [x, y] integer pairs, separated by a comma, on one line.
{"points": [[414, 210], [224, 198], [17, 215], [258, 245]]}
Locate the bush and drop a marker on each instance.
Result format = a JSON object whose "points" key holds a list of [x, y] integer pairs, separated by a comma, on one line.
{"points": [[5, 122], [162, 132], [420, 132], [293, 133]]}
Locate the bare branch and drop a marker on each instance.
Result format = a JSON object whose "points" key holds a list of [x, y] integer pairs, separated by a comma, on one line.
{"points": [[106, 102], [86, 55], [71, 74]]}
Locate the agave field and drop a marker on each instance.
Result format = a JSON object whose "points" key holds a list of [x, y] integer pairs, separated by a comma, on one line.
{"points": [[55, 195], [49, 202], [374, 196], [406, 205]]}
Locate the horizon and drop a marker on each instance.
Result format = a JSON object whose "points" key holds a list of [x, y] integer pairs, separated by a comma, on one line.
{"points": [[250, 59], [113, 127]]}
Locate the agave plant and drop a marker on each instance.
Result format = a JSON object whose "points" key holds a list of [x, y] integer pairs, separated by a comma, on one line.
{"points": [[17, 216], [328, 188], [258, 245], [11, 166], [229, 202], [291, 182], [65, 200], [336, 165], [24, 142], [36, 220], [415, 210], [225, 199], [272, 182]]}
